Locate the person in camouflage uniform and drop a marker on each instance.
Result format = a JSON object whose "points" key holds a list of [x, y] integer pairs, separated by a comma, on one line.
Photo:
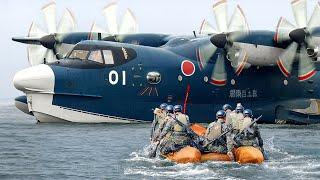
{"points": [[159, 116], [251, 135], [238, 118], [218, 137], [174, 135], [230, 115]]}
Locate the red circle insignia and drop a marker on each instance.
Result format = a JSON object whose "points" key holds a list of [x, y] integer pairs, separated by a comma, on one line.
{"points": [[187, 68]]}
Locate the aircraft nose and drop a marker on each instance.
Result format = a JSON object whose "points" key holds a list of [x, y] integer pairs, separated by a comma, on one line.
{"points": [[38, 78]]}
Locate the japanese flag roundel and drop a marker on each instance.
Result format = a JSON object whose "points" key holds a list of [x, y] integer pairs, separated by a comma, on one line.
{"points": [[187, 68]]}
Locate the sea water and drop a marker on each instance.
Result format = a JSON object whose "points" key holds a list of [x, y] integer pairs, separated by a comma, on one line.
{"points": [[104, 151]]}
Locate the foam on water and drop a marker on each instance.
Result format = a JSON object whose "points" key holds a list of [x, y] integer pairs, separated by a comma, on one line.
{"points": [[280, 162], [84, 151], [297, 165]]}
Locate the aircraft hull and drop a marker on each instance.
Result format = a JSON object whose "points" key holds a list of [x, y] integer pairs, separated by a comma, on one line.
{"points": [[41, 106], [21, 103], [43, 110]]}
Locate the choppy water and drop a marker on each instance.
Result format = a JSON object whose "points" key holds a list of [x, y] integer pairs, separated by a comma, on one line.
{"points": [[102, 151]]}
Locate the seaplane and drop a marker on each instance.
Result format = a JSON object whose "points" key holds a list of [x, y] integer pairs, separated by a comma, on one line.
{"points": [[120, 75]]}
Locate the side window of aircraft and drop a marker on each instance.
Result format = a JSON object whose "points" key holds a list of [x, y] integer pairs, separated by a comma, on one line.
{"points": [[79, 54], [122, 55], [108, 57], [103, 54], [96, 56]]}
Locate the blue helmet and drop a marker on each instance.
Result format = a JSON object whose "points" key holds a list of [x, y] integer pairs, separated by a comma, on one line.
{"points": [[239, 109], [247, 113], [163, 106], [177, 108], [221, 114], [226, 107], [169, 108]]}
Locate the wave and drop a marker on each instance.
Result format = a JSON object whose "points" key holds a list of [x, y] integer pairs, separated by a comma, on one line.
{"points": [[281, 164]]}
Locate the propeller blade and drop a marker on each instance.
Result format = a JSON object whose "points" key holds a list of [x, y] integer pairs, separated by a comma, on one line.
{"points": [[110, 13], [311, 42], [129, 23], [238, 21], [238, 60], [306, 66], [49, 56], [36, 54], [284, 28], [219, 75], [206, 28], [286, 59], [63, 49], [204, 53], [315, 18], [35, 31], [67, 22], [49, 12], [221, 13], [97, 28], [299, 8]]}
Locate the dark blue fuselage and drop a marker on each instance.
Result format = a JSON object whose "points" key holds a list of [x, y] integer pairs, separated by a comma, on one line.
{"points": [[86, 86]]}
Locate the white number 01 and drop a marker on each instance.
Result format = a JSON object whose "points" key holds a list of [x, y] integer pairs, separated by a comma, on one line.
{"points": [[114, 77]]}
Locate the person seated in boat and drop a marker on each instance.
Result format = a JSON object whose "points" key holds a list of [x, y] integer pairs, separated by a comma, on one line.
{"points": [[249, 134], [174, 135], [163, 122], [218, 136], [177, 109], [159, 116], [230, 114], [238, 118]]}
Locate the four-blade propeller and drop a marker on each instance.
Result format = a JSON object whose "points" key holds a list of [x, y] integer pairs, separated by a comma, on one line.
{"points": [[223, 38], [302, 43]]}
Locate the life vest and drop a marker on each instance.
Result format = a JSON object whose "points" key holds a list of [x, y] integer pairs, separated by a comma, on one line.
{"points": [[214, 130], [237, 121], [244, 123], [182, 118], [249, 139], [167, 120], [159, 115], [230, 116]]}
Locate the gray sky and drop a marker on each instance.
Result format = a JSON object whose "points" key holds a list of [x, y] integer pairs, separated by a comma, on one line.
{"points": [[162, 16]]}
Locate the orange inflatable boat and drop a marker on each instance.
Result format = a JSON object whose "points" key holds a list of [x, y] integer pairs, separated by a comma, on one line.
{"points": [[198, 129], [243, 155], [185, 155]]}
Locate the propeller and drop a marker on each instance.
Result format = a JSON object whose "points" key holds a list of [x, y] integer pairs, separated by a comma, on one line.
{"points": [[129, 23], [44, 47], [224, 38], [302, 45]]}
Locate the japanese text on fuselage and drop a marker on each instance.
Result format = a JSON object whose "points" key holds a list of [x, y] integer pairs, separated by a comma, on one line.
{"points": [[246, 93]]}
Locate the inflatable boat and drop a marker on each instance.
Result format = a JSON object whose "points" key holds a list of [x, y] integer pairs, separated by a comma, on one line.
{"points": [[243, 155]]}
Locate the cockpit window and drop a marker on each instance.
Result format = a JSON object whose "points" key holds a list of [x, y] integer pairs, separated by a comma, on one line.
{"points": [[108, 57], [96, 56], [79, 54], [105, 55]]}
